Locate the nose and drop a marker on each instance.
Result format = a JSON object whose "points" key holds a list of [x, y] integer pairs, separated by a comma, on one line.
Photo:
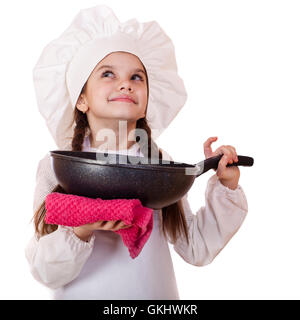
{"points": [[125, 85]]}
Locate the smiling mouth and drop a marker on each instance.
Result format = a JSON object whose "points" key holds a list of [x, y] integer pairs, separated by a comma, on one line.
{"points": [[122, 100]]}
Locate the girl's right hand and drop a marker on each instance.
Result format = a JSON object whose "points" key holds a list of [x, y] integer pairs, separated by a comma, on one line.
{"points": [[84, 232]]}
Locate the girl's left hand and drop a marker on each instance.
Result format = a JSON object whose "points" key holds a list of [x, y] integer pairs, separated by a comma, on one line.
{"points": [[228, 176]]}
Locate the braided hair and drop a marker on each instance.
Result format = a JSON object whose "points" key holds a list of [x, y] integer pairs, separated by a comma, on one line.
{"points": [[173, 218]]}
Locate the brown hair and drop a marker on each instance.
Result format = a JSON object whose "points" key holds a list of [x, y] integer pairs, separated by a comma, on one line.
{"points": [[173, 218]]}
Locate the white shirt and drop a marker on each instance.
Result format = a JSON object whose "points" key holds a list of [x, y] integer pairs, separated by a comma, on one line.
{"points": [[103, 269]]}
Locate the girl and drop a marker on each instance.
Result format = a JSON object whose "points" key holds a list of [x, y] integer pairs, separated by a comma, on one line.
{"points": [[98, 73]]}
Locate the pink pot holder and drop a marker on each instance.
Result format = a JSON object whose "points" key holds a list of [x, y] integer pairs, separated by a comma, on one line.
{"points": [[71, 210]]}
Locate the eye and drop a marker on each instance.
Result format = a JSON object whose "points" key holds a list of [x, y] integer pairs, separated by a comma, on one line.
{"points": [[104, 75], [106, 72], [141, 78]]}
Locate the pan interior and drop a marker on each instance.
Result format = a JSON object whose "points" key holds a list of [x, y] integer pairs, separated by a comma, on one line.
{"points": [[113, 158]]}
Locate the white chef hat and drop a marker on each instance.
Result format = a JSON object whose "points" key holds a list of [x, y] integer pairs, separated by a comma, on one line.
{"points": [[66, 63]]}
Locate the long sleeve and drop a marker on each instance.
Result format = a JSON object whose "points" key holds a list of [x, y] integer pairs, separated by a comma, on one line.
{"points": [[213, 225], [57, 258], [45, 181]]}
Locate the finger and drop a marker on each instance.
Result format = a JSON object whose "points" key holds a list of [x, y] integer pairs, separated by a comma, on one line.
{"points": [[233, 152], [225, 172], [108, 225], [207, 146], [119, 224], [223, 151], [224, 160], [122, 225], [127, 226], [232, 155], [222, 164], [99, 223]]}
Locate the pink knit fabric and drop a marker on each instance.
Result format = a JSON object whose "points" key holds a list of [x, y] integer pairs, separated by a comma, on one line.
{"points": [[71, 210]]}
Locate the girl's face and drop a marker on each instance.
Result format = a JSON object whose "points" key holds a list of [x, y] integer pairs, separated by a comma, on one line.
{"points": [[119, 73]]}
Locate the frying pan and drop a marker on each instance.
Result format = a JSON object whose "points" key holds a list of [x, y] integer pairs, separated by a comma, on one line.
{"points": [[156, 183]]}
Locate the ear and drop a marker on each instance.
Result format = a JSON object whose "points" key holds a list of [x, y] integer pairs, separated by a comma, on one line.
{"points": [[82, 104]]}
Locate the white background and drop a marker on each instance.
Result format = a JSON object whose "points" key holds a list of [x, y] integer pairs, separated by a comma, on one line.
{"points": [[240, 61]]}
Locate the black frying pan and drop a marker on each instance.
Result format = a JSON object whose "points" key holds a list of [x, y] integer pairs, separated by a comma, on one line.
{"points": [[114, 176]]}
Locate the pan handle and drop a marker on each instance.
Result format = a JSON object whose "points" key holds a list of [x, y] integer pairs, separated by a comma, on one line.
{"points": [[212, 163]]}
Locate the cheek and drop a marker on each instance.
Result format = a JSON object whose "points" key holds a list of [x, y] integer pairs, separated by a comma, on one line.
{"points": [[143, 95], [101, 92], [145, 101]]}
